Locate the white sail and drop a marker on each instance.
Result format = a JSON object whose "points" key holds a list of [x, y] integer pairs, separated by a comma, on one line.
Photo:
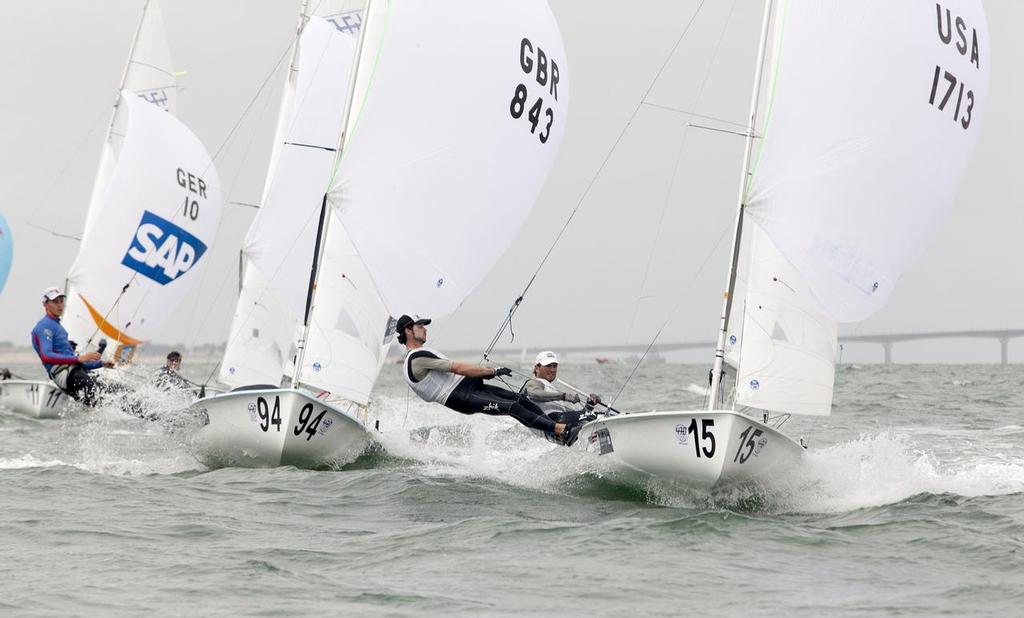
{"points": [[350, 329], [787, 357], [875, 112], [150, 74], [432, 187], [159, 216], [260, 347], [282, 237]]}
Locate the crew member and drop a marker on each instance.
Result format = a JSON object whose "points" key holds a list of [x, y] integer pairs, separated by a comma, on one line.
{"points": [[460, 386], [541, 390], [167, 377], [68, 370]]}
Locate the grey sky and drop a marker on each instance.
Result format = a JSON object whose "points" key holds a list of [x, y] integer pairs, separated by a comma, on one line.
{"points": [[666, 196]]}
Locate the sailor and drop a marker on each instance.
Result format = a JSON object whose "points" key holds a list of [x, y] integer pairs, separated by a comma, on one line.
{"points": [[460, 387], [68, 370], [167, 377], [541, 389]]}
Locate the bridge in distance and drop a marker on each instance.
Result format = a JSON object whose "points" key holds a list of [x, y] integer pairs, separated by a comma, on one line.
{"points": [[887, 341]]}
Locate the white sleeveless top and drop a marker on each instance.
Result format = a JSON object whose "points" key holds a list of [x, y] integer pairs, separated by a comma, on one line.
{"points": [[437, 386]]}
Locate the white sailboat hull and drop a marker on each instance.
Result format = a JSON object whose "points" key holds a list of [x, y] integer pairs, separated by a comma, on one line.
{"points": [[33, 398], [273, 427], [701, 449]]}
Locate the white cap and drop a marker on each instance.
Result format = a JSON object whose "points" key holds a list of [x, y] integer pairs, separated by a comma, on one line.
{"points": [[547, 357], [52, 293]]}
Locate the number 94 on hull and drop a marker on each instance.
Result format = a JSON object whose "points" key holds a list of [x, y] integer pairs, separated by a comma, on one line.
{"points": [[700, 449], [265, 428]]}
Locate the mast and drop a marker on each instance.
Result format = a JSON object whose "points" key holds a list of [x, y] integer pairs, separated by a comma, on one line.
{"points": [[723, 328], [124, 75], [325, 217]]}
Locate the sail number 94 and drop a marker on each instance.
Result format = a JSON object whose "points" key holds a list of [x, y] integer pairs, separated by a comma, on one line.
{"points": [[268, 417]]}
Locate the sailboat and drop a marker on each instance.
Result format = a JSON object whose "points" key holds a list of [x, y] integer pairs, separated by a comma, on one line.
{"points": [[435, 173], [153, 214], [873, 112]]}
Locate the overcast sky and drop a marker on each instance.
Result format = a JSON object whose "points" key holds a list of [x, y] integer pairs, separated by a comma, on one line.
{"points": [[652, 235]]}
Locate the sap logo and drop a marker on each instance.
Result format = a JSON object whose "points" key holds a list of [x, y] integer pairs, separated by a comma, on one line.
{"points": [[161, 250]]}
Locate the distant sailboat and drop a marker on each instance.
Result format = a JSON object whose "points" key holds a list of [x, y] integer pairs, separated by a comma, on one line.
{"points": [[873, 113], [421, 143], [154, 211]]}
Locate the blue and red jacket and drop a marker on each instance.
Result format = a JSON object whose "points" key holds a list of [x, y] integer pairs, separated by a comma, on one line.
{"points": [[50, 341]]}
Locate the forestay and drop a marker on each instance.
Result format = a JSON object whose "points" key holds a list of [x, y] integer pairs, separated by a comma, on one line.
{"points": [[279, 245], [875, 111], [158, 219], [458, 113]]}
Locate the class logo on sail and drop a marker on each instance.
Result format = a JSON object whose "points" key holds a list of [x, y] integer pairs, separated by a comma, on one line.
{"points": [[161, 250]]}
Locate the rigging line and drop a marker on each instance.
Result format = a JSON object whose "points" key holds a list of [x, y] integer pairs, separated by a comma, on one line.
{"points": [[730, 132], [327, 148], [248, 147], [671, 313], [675, 167], [74, 155], [590, 185], [53, 232], [694, 114], [246, 204]]}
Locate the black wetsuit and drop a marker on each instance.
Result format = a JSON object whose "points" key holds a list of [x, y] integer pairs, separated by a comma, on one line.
{"points": [[472, 396]]}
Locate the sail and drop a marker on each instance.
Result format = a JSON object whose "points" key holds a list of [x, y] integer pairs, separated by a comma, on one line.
{"points": [[150, 75], [160, 215], [6, 251], [875, 110], [350, 328], [458, 112], [788, 352], [260, 346], [282, 237]]}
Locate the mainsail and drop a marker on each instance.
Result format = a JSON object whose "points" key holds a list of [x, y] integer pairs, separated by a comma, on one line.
{"points": [[874, 111], [280, 242]]}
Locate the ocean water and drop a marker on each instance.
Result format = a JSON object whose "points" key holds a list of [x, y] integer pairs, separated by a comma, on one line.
{"points": [[911, 502]]}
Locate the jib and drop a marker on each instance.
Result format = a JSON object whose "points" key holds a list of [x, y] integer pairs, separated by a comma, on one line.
{"points": [[161, 250]]}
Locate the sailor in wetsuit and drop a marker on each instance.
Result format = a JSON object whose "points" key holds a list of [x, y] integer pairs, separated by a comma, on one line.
{"points": [[67, 370], [541, 390], [460, 386]]}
